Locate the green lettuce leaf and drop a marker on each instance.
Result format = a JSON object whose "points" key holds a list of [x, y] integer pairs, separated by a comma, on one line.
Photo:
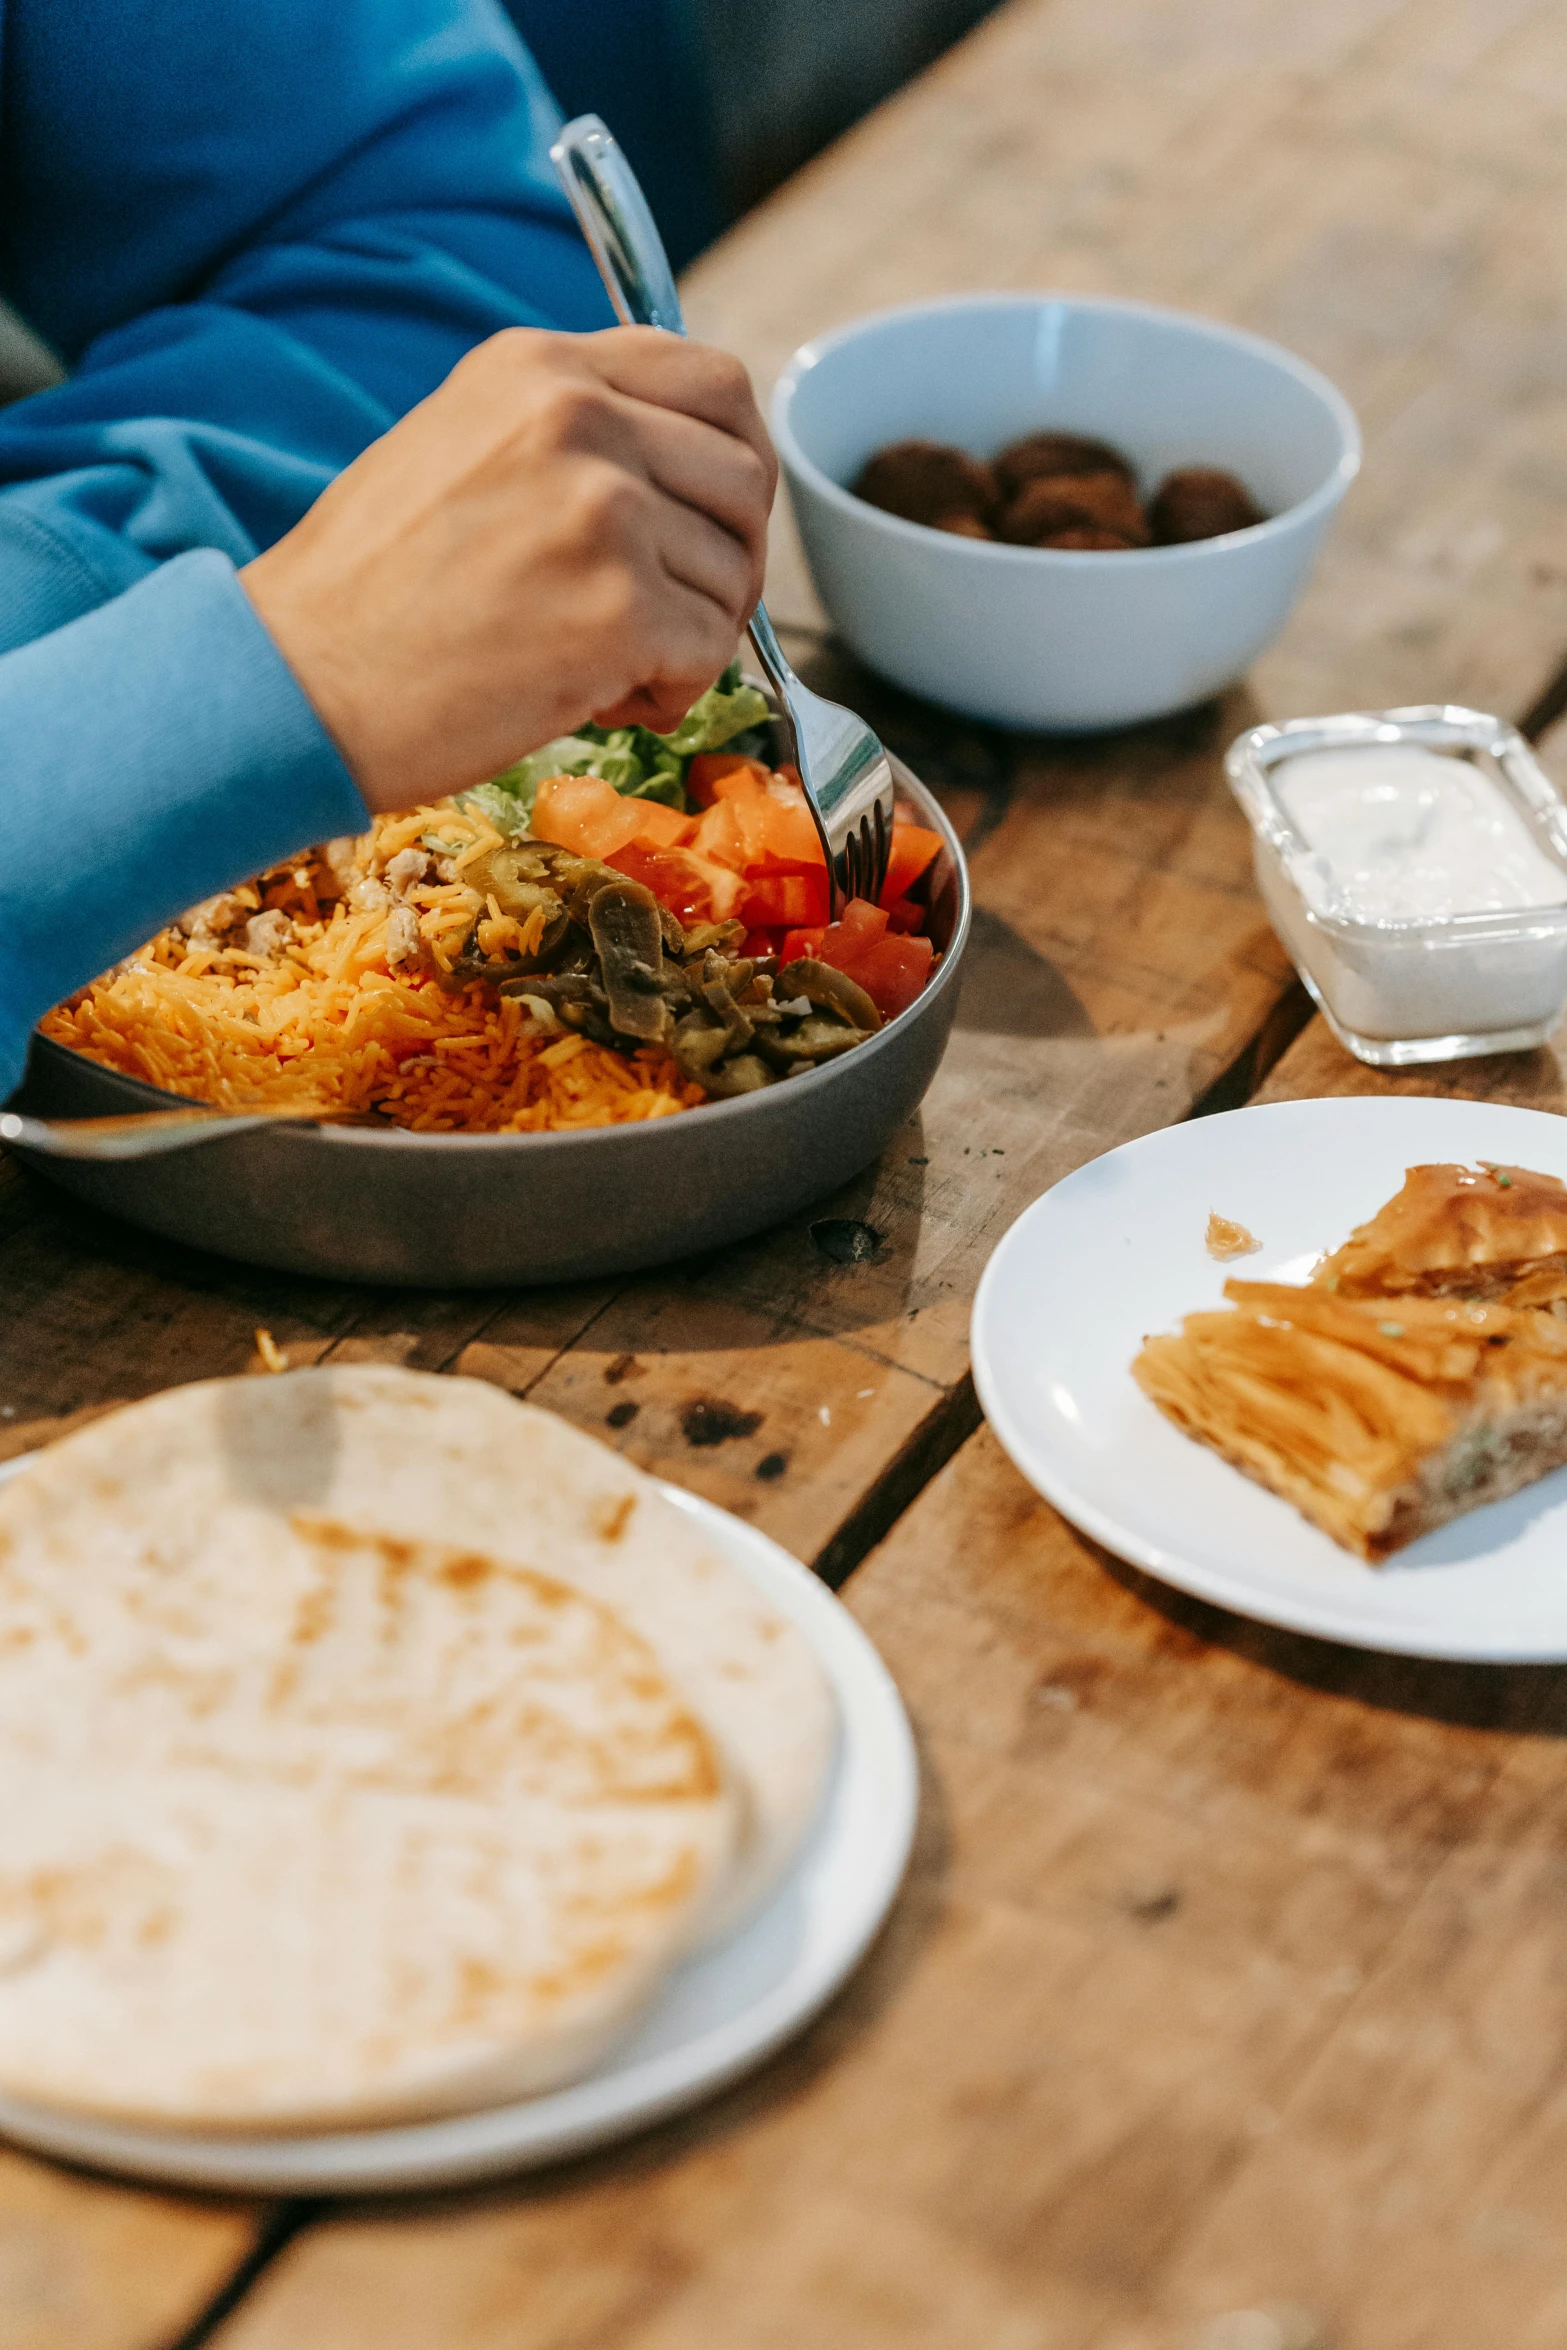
{"points": [[507, 810], [506, 801], [725, 710], [639, 764]]}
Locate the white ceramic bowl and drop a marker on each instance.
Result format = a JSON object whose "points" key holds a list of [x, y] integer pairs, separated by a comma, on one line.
{"points": [[1039, 636]]}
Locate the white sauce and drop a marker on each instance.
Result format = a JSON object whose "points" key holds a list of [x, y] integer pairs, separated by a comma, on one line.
{"points": [[1400, 833]]}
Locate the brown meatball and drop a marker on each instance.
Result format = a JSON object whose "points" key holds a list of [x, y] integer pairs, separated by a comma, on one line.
{"points": [[1055, 453], [925, 481], [965, 526], [1088, 537], [1201, 502], [1100, 501]]}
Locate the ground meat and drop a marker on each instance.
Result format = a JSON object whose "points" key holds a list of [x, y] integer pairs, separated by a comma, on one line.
{"points": [[268, 934], [927, 482], [403, 943], [1062, 501], [1043, 453], [341, 859], [407, 868], [210, 923], [1201, 502]]}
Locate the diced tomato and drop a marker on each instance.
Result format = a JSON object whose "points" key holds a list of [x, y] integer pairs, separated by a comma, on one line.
{"points": [[664, 827], [717, 833], [753, 813], [859, 925], [753, 852], [759, 831], [893, 971], [790, 841], [710, 770], [776, 900], [694, 888], [585, 814], [913, 848], [744, 775]]}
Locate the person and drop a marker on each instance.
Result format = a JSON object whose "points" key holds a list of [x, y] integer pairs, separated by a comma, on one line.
{"points": [[351, 497]]}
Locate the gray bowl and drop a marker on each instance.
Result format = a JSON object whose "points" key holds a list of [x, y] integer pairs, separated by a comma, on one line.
{"points": [[468, 1211]]}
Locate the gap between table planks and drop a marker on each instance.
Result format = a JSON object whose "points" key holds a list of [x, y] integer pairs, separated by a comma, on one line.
{"points": [[1380, 186], [1226, 1978]]}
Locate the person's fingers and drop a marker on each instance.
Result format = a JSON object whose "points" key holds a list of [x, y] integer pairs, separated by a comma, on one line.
{"points": [[695, 637], [659, 482], [659, 709], [693, 378], [690, 460], [685, 641], [711, 473], [700, 554]]}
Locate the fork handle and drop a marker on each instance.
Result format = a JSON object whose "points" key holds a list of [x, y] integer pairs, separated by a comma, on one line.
{"points": [[612, 212], [603, 192], [778, 673]]}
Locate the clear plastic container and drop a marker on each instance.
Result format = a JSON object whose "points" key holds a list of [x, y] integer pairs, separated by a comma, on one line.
{"points": [[1402, 989]]}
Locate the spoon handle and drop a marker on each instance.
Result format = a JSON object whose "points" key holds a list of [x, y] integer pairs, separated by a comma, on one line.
{"points": [[141, 1134]]}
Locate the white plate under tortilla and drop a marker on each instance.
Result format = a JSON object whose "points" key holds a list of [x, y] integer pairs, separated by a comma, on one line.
{"points": [[718, 2016], [1116, 1251]]}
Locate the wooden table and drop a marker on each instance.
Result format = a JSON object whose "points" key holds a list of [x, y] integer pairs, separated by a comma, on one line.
{"points": [[1226, 2007]]}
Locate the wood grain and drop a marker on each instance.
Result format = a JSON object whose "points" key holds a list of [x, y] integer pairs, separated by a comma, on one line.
{"points": [[1227, 1976], [1376, 183], [1120, 966], [1295, 171], [85, 2265]]}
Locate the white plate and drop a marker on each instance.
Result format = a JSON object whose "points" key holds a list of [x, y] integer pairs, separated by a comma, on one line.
{"points": [[718, 2017], [1116, 1251]]}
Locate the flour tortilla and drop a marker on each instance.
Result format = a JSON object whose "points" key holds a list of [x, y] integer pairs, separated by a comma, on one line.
{"points": [[458, 1460], [349, 1760]]}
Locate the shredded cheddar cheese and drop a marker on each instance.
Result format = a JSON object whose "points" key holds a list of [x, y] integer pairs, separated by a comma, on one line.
{"points": [[332, 1024]]}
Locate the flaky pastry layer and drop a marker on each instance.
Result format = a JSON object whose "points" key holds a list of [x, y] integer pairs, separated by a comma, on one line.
{"points": [[1378, 1421], [1459, 1232]]}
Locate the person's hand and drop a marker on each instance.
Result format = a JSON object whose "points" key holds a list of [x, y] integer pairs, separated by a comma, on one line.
{"points": [[572, 526]]}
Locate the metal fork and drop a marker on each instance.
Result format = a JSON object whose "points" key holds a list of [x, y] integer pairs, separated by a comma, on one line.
{"points": [[845, 771]]}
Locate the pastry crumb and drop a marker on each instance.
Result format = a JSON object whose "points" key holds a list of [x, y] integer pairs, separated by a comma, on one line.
{"points": [[1226, 1239]]}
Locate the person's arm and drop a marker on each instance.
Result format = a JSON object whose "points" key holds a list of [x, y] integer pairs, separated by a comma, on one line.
{"points": [[257, 234], [157, 750], [569, 525]]}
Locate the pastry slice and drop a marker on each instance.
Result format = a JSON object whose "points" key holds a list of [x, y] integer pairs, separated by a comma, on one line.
{"points": [[1378, 1418], [1489, 1233]]}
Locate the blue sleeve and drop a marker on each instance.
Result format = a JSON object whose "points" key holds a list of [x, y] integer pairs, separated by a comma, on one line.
{"points": [[257, 231], [157, 750]]}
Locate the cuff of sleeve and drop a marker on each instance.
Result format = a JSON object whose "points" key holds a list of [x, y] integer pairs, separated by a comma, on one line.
{"points": [[157, 750]]}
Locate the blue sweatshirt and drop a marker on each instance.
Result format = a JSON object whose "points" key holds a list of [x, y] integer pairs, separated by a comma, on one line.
{"points": [[256, 231]]}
